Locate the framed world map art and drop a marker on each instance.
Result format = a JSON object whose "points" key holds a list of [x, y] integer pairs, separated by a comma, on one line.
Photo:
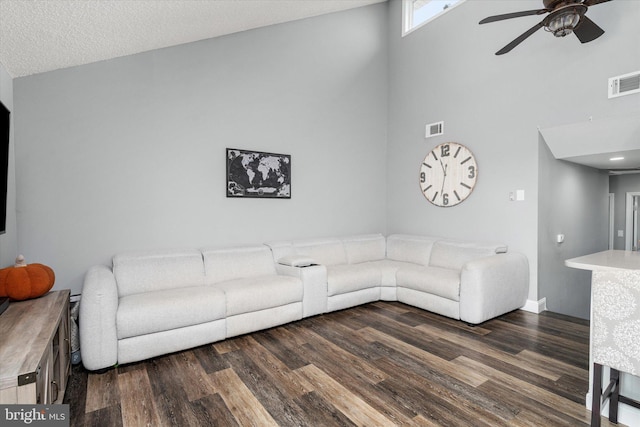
{"points": [[254, 174]]}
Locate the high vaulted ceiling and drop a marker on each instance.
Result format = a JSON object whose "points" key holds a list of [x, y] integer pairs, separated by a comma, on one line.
{"points": [[44, 35], [37, 36]]}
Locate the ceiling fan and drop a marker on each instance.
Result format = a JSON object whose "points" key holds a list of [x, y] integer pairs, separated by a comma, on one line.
{"points": [[565, 17]]}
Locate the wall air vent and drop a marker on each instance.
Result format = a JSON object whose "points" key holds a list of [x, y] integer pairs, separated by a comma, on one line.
{"points": [[624, 85], [434, 129]]}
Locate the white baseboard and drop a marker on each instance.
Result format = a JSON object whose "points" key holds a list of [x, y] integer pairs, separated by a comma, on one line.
{"points": [[535, 306]]}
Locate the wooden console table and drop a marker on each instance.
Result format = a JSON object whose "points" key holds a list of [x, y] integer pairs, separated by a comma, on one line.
{"points": [[35, 352]]}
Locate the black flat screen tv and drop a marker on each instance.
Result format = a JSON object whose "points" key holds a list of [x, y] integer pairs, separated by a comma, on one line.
{"points": [[5, 116]]}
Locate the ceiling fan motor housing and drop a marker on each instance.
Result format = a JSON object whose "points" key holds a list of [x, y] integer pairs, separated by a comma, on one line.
{"points": [[564, 19], [552, 4]]}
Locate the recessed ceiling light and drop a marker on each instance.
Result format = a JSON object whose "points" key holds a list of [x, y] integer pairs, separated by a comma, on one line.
{"points": [[614, 159]]}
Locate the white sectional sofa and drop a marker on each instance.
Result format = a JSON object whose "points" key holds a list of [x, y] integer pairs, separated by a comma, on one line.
{"points": [[470, 281], [153, 303]]}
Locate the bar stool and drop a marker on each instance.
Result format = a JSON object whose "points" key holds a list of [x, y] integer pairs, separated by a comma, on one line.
{"points": [[615, 325]]}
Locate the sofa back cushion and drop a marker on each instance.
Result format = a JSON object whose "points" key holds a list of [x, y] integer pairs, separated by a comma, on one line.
{"points": [[139, 272], [322, 251], [454, 255], [371, 247], [415, 249], [281, 249], [237, 263]]}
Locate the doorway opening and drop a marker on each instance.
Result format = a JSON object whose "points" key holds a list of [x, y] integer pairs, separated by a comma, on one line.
{"points": [[632, 240]]}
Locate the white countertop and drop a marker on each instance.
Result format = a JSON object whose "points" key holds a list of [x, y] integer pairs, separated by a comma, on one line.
{"points": [[607, 260]]}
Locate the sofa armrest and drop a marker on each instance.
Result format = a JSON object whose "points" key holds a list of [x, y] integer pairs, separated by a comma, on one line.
{"points": [[314, 282], [297, 261], [97, 319], [492, 286]]}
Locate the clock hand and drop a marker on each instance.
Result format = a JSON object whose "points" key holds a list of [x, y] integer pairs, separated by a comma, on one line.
{"points": [[444, 177]]}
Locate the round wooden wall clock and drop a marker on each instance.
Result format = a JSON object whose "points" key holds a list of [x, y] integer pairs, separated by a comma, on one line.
{"points": [[448, 174]]}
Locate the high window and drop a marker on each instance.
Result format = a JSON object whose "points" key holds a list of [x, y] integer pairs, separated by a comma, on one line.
{"points": [[416, 13]]}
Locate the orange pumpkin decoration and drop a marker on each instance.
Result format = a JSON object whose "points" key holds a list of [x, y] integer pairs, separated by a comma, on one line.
{"points": [[23, 281]]}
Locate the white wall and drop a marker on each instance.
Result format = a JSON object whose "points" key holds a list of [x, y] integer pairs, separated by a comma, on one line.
{"points": [[9, 240], [129, 154], [447, 71]]}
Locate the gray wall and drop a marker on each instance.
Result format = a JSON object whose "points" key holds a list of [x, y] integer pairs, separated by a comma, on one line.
{"points": [[129, 154], [576, 204], [9, 240], [620, 185], [447, 71]]}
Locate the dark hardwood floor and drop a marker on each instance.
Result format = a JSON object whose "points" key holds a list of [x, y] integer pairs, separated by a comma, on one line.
{"points": [[374, 365]]}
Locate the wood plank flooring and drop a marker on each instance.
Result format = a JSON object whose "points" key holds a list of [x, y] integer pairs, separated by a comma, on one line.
{"points": [[380, 364]]}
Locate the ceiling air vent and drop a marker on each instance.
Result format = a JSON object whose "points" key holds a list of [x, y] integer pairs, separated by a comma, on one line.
{"points": [[434, 129], [624, 85]]}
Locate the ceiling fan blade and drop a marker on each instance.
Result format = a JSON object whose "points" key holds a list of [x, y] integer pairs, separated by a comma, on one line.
{"points": [[520, 39], [593, 2], [587, 30], [513, 15]]}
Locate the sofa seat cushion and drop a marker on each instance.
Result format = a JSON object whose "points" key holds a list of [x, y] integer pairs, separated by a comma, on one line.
{"points": [[158, 311], [259, 293], [345, 278], [442, 282], [388, 269]]}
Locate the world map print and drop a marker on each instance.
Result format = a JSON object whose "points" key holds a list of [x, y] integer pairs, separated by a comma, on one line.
{"points": [[258, 174]]}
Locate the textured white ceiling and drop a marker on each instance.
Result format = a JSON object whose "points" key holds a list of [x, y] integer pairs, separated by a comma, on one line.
{"points": [[43, 35]]}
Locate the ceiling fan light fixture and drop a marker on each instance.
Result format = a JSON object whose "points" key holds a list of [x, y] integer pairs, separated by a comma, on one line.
{"points": [[563, 23]]}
